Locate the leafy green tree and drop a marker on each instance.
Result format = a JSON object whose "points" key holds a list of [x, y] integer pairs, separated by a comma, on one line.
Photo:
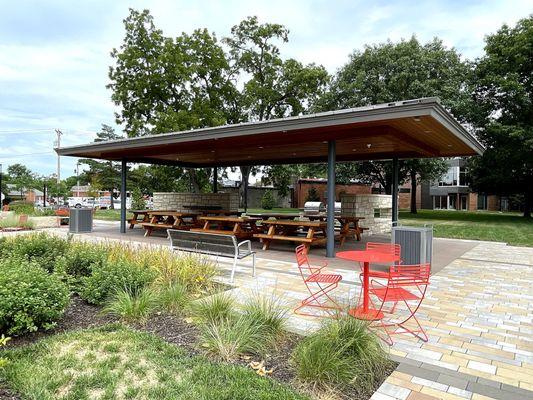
{"points": [[504, 93], [106, 173], [390, 72], [21, 176], [274, 87], [137, 199], [420, 170]]}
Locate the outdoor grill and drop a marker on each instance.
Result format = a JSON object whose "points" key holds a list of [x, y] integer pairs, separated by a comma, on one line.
{"points": [[314, 207]]}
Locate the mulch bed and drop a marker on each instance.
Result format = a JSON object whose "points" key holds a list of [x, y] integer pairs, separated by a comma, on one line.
{"points": [[173, 329]]}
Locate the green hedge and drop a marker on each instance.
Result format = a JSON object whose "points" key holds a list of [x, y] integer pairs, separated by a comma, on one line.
{"points": [[30, 297]]}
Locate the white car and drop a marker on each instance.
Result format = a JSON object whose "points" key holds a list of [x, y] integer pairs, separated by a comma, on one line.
{"points": [[79, 202]]}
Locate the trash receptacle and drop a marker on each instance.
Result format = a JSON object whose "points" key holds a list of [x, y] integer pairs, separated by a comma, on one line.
{"points": [[81, 220], [416, 243]]}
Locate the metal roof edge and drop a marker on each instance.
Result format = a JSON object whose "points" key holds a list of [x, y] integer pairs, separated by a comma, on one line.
{"points": [[289, 123]]}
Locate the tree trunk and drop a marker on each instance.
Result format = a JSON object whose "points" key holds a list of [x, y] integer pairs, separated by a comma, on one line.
{"points": [[112, 204], [528, 199], [195, 188], [413, 191], [243, 188]]}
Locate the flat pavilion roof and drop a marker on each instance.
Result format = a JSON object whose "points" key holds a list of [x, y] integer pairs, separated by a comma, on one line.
{"points": [[408, 129]]}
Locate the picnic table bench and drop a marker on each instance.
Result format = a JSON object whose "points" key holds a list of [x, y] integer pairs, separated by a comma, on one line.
{"points": [[220, 245], [143, 214], [284, 230], [241, 227], [169, 220]]}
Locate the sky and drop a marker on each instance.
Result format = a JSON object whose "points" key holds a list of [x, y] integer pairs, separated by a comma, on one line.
{"points": [[54, 55]]}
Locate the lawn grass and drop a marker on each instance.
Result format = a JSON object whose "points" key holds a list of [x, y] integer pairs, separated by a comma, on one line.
{"points": [[511, 228], [110, 215], [114, 362]]}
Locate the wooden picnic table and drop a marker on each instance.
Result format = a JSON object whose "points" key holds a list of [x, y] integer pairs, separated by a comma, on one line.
{"points": [[143, 214], [266, 216], [161, 219], [219, 212], [349, 226], [241, 227], [284, 230]]}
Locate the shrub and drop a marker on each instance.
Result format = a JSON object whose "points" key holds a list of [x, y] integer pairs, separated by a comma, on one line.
{"points": [[137, 200], [343, 352], [132, 305], [21, 207], [110, 277], [268, 202], [173, 297], [42, 248], [3, 342], [194, 271], [226, 338], [312, 194], [79, 261], [215, 308], [14, 222], [268, 312], [31, 298]]}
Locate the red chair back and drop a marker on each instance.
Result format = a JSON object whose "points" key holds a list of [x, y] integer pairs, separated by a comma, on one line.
{"points": [[303, 261], [409, 275], [389, 248]]}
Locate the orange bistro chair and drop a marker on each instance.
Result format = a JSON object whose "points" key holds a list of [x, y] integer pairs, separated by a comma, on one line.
{"points": [[406, 287], [318, 284]]}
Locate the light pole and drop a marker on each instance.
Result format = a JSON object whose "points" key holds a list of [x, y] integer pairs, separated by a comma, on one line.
{"points": [[78, 179]]}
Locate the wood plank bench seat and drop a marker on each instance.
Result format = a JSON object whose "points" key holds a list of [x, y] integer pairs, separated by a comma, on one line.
{"points": [[287, 238], [220, 245], [215, 231]]}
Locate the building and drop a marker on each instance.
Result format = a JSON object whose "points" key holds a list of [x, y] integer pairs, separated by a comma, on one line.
{"points": [[29, 195], [452, 192]]}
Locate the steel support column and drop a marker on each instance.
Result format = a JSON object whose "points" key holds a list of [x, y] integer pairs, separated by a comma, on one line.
{"points": [[123, 196], [215, 180], [394, 191], [330, 245]]}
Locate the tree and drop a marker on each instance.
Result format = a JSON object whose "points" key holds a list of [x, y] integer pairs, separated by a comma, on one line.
{"points": [[423, 170], [390, 72], [504, 96], [106, 173], [21, 177], [275, 88]]}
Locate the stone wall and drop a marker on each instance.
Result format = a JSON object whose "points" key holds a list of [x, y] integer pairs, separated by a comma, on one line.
{"points": [[188, 201], [255, 195], [376, 209]]}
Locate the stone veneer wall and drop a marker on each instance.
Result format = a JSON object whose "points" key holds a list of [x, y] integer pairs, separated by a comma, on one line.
{"points": [[181, 201], [365, 206]]}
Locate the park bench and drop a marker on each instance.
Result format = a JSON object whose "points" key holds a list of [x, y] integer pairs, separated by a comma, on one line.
{"points": [[212, 244]]}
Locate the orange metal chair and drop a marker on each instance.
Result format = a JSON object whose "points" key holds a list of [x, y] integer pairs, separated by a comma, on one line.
{"points": [[395, 249], [406, 286], [318, 285]]}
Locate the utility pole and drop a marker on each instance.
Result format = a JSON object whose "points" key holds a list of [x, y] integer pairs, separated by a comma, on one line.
{"points": [[1, 199], [58, 142], [78, 178]]}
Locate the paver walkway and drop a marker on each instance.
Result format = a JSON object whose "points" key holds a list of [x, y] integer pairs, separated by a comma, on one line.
{"points": [[478, 313]]}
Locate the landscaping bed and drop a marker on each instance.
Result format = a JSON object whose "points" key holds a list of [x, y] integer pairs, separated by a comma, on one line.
{"points": [[82, 293]]}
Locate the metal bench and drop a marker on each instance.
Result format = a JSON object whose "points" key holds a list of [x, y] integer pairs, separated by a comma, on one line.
{"points": [[212, 244]]}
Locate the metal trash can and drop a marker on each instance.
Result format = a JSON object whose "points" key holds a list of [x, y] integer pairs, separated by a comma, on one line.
{"points": [[416, 243], [81, 220]]}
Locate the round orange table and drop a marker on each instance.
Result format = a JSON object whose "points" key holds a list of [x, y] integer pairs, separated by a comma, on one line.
{"points": [[366, 257]]}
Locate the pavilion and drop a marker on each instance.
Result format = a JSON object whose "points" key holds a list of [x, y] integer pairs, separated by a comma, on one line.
{"points": [[419, 128]]}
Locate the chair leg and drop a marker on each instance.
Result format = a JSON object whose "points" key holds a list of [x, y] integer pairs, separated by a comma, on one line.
{"points": [[233, 268], [314, 301]]}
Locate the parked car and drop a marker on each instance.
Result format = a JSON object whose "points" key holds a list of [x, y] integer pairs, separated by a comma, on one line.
{"points": [[79, 202]]}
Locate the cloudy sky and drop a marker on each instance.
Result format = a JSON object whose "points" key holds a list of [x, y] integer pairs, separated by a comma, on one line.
{"points": [[54, 55]]}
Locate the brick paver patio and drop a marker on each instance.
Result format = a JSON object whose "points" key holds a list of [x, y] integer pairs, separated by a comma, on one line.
{"points": [[478, 314]]}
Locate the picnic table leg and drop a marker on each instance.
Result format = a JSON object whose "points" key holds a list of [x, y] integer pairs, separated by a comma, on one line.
{"points": [[266, 242], [345, 231]]}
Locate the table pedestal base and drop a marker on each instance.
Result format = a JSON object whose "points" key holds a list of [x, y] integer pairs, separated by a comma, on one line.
{"points": [[369, 315]]}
